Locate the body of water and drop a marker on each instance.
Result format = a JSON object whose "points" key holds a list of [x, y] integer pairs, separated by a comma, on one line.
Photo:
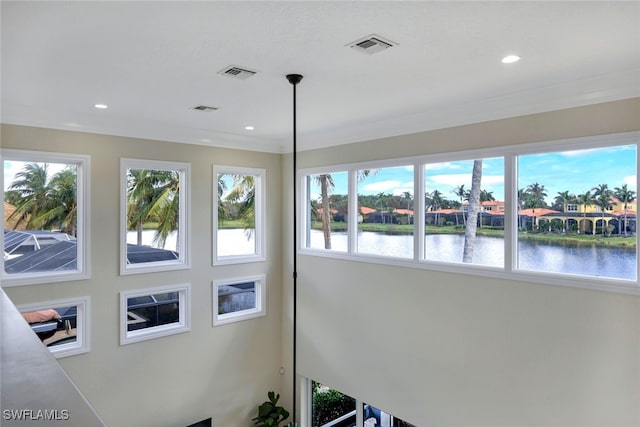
{"points": [[533, 255]]}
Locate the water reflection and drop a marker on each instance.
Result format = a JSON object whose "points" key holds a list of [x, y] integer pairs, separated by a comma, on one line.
{"points": [[533, 255]]}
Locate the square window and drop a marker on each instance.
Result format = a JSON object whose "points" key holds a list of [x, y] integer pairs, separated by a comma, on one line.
{"points": [[45, 236], [449, 211]]}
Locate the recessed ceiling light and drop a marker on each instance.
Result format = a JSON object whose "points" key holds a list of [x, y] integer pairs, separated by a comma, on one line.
{"points": [[101, 106], [510, 59], [249, 127]]}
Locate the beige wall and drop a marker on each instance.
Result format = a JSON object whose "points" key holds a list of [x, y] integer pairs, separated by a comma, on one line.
{"points": [[438, 349], [222, 372], [446, 349]]}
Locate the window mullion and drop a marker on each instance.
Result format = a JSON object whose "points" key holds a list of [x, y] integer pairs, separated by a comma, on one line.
{"points": [[510, 213], [352, 225], [419, 212]]}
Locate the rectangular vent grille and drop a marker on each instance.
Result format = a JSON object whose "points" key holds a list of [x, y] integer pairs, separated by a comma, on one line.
{"points": [[204, 108], [237, 72], [372, 44]]}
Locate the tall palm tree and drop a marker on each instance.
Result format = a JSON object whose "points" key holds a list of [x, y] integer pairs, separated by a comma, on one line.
{"points": [[602, 198], [326, 186], [474, 207], [626, 196], [585, 200]]}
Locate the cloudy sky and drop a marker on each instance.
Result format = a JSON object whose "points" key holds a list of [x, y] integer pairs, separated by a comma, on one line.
{"points": [[575, 171]]}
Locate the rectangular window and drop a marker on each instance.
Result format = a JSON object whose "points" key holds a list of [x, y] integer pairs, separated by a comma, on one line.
{"points": [[238, 299], [386, 211], [152, 313], [596, 239], [327, 211], [154, 216], [62, 325], [559, 211], [330, 407], [45, 237], [374, 417], [238, 215], [464, 217]]}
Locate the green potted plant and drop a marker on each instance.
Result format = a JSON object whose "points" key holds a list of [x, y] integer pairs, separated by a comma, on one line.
{"points": [[269, 413]]}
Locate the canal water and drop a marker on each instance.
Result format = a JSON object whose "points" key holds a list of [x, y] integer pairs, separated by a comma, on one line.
{"points": [[590, 260]]}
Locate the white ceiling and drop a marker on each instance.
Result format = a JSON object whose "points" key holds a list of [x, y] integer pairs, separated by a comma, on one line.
{"points": [[151, 61]]}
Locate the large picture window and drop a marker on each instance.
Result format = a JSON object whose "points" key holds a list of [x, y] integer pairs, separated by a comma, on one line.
{"points": [[559, 212], [154, 216], [238, 215], [577, 212], [45, 233], [459, 196]]}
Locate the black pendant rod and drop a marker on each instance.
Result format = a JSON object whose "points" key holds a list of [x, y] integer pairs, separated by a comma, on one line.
{"points": [[294, 79]]}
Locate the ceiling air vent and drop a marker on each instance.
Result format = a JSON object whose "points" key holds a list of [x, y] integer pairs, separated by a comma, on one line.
{"points": [[237, 72], [204, 108], [372, 44]]}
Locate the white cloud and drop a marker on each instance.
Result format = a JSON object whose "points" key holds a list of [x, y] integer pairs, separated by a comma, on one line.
{"points": [[630, 181], [382, 186], [441, 166]]}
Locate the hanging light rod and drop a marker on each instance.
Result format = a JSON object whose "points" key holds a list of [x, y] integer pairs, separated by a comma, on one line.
{"points": [[294, 79]]}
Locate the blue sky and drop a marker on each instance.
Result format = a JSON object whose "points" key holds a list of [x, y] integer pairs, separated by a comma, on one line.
{"points": [[575, 171]]}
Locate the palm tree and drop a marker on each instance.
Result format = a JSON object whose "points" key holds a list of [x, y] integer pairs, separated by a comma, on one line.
{"points": [[42, 203], [28, 192], [326, 186], [474, 207], [602, 195], [585, 200], [62, 209], [626, 196], [536, 194], [153, 195], [463, 195], [522, 202], [436, 200], [562, 199]]}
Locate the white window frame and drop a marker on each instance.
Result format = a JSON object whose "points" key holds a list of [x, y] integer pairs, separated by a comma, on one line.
{"points": [[83, 326], [184, 219], [83, 260], [510, 270], [260, 215], [184, 315], [261, 298]]}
